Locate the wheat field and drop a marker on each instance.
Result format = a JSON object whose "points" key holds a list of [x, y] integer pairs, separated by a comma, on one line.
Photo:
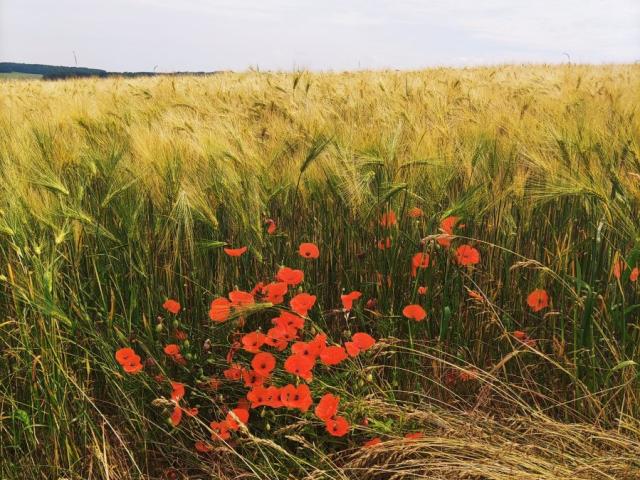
{"points": [[120, 194]]}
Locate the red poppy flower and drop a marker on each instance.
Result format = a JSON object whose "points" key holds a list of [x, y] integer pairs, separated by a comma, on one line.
{"points": [[296, 397], [272, 397], [333, 355], [263, 363], [252, 378], [318, 344], [384, 244], [236, 417], [467, 375], [281, 333], [422, 290], [219, 431], [467, 255], [172, 349], [275, 292], [202, 447], [177, 391], [388, 219], [240, 299], [415, 212], [290, 276], [520, 335], [372, 443], [251, 342], [414, 312], [124, 354], [302, 303], [327, 407], [300, 365], [414, 436], [352, 349], [447, 225], [419, 260], [171, 306], [288, 320], [538, 299], [176, 416], [257, 396], [309, 250], [271, 229], [220, 310], [279, 344], [364, 341], [234, 372], [633, 276], [132, 365], [475, 295], [349, 298], [338, 426], [235, 252]]}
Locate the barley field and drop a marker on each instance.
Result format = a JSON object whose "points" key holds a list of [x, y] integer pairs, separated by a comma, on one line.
{"points": [[371, 275]]}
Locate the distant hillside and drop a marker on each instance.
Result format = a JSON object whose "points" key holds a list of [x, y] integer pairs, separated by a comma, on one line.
{"points": [[52, 72]]}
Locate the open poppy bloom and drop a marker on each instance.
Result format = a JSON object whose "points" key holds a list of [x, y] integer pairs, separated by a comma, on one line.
{"points": [[302, 303], [132, 365], [124, 354], [176, 416], [263, 363], [300, 366], [251, 342], [333, 355], [538, 299], [236, 417], [364, 341], [446, 226], [172, 349], [271, 226], [275, 291], [349, 298], [309, 250], [171, 306], [240, 299], [352, 349], [414, 312], [235, 252], [296, 397], [415, 212], [338, 426], [467, 255], [219, 430], [177, 391], [388, 219], [220, 310], [327, 407], [252, 378], [290, 276], [419, 260], [234, 372], [372, 443], [288, 320]]}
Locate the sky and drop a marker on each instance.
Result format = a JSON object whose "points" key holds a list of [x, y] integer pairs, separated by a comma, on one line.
{"points": [[197, 35]]}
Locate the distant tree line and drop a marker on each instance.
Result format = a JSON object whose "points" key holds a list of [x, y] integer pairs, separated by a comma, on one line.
{"points": [[52, 72]]}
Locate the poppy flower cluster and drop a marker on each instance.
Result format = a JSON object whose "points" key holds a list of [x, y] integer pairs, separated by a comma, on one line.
{"points": [[129, 360]]}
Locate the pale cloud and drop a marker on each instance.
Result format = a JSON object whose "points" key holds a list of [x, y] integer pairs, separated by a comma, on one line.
{"points": [[317, 34]]}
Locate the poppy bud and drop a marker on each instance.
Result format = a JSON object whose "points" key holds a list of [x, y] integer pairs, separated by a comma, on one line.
{"points": [[262, 413], [186, 343], [267, 427], [361, 383], [175, 324], [188, 356], [369, 378], [159, 327]]}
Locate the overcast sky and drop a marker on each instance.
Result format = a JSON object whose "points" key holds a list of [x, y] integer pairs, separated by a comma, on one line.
{"points": [[315, 34]]}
